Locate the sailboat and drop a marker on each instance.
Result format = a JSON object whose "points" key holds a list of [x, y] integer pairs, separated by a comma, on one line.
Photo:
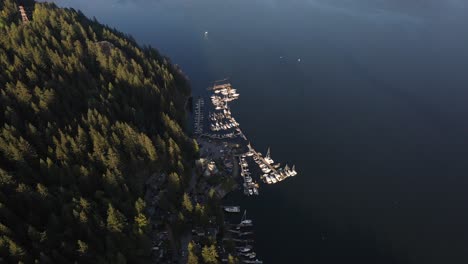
{"points": [[268, 157], [293, 171], [287, 170], [244, 220]]}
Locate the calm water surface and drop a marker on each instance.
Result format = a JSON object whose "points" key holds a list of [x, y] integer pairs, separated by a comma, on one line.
{"points": [[374, 116]]}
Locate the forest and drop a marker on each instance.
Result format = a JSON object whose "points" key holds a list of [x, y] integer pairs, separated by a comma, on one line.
{"points": [[87, 116]]}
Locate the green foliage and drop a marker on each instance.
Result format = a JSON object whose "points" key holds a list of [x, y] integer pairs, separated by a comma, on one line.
{"points": [[187, 203], [231, 259], [192, 256], [116, 221], [210, 255], [86, 116]]}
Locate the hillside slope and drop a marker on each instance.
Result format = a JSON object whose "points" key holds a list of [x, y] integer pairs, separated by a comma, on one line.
{"points": [[87, 116]]}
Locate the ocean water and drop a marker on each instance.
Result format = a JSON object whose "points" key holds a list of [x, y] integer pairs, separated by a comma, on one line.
{"points": [[367, 98]]}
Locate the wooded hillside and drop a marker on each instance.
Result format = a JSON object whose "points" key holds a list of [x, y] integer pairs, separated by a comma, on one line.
{"points": [[86, 117]]}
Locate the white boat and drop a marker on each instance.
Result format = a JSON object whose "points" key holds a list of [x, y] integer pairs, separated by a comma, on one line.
{"points": [[268, 153], [293, 171], [245, 249], [232, 209], [244, 220]]}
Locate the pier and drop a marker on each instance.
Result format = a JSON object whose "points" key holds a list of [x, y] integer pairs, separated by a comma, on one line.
{"points": [[260, 157], [224, 126], [199, 105]]}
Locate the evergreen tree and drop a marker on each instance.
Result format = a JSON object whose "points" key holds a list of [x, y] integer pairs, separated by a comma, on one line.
{"points": [[187, 203], [209, 254], [192, 257], [116, 221]]}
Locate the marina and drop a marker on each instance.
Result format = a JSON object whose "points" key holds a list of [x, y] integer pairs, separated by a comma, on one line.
{"points": [[223, 126], [240, 234], [229, 159]]}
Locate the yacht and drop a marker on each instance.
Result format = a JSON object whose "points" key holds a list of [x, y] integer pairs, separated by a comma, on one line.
{"points": [[232, 209]]}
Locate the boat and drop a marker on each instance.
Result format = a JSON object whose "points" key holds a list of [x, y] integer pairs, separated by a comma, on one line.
{"points": [[232, 209], [245, 249], [278, 176], [293, 171], [269, 160], [244, 220]]}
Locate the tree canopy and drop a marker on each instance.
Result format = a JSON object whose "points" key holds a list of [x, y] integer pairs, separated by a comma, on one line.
{"points": [[87, 116]]}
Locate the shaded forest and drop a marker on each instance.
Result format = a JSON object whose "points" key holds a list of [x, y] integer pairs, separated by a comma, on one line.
{"points": [[87, 116]]}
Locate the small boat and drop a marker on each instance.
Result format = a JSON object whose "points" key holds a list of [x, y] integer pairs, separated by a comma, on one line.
{"points": [[232, 209], [245, 249], [244, 220]]}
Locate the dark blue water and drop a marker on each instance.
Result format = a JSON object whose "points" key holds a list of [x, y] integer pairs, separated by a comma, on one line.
{"points": [[374, 116]]}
